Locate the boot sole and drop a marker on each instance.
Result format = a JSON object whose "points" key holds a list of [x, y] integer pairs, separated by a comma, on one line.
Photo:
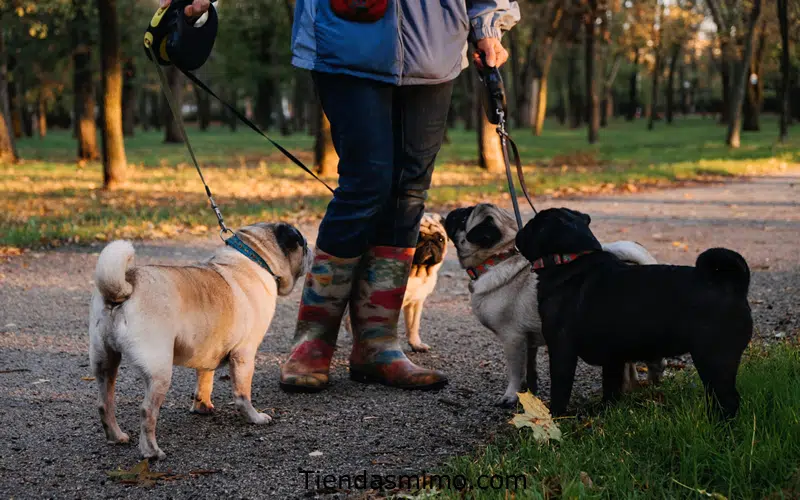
{"points": [[365, 378], [301, 389]]}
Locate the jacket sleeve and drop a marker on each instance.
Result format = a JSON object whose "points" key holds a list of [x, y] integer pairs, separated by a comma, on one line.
{"points": [[489, 18]]}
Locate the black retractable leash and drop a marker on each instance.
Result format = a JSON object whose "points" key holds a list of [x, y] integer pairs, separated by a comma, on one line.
{"points": [[494, 104], [173, 39]]}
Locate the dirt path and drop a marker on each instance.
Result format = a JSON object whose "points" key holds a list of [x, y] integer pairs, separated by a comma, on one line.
{"points": [[50, 434]]}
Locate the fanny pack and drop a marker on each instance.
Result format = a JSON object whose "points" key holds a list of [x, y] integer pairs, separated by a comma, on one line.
{"points": [[360, 11]]}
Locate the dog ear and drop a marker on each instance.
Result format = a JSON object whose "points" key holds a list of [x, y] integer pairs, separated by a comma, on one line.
{"points": [[288, 238], [486, 234], [584, 217], [437, 217], [456, 220]]}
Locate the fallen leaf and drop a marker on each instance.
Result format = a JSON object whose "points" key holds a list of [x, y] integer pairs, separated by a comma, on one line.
{"points": [[41, 381], [315, 454], [87, 379], [537, 417], [587, 481]]}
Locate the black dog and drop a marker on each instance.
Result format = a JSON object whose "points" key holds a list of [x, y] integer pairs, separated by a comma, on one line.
{"points": [[596, 307]]}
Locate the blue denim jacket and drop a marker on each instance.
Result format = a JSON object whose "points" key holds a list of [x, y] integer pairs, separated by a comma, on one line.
{"points": [[416, 42]]}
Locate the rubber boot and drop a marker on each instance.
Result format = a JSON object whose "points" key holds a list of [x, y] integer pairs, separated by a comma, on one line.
{"points": [[326, 292], [374, 312]]}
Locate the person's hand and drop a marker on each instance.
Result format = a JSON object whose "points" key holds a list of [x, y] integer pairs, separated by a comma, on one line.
{"points": [[196, 9], [496, 54]]}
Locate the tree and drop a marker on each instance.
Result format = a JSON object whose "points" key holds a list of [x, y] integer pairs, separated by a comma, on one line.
{"points": [[593, 102], [733, 139], [657, 66], [754, 95], [114, 161], [490, 154], [8, 150], [673, 64], [85, 129], [172, 133], [783, 19], [326, 160]]}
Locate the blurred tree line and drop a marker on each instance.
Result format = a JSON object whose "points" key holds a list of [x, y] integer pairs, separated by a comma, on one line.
{"points": [[80, 65]]}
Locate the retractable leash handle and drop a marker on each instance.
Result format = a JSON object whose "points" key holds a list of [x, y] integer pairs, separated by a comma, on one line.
{"points": [[172, 38]]}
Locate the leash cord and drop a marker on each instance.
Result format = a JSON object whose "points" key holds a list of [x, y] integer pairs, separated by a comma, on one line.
{"points": [[505, 142], [253, 126], [179, 121]]}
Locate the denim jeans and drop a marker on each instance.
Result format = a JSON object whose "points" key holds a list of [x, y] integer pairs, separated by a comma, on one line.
{"points": [[387, 138]]}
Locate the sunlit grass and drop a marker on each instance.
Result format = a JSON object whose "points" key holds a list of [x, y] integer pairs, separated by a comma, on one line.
{"points": [[660, 444], [48, 199]]}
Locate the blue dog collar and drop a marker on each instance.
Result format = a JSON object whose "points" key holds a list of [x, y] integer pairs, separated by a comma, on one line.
{"points": [[242, 247]]}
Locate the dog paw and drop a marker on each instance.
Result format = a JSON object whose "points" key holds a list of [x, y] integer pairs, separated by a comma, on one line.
{"points": [[421, 347], [122, 438], [156, 454], [507, 401], [260, 419], [202, 409]]}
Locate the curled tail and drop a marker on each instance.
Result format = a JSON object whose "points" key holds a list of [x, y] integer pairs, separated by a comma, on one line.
{"points": [[725, 267], [630, 252], [109, 275]]}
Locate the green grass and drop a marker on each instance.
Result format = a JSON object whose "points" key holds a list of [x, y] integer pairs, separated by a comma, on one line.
{"points": [[49, 200], [659, 444]]}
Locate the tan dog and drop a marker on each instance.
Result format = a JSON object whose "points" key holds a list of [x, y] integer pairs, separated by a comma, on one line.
{"points": [[197, 316], [428, 258]]}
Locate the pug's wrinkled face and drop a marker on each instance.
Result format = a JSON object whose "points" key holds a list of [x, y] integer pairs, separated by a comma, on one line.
{"points": [[556, 231], [283, 247], [432, 243], [480, 232]]}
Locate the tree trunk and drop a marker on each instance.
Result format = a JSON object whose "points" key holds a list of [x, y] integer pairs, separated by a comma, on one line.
{"points": [[8, 149], [85, 124], [128, 98], [593, 102], [654, 97], [517, 86], [783, 18], [633, 100], [489, 152], [561, 109], [233, 121], [737, 95], [172, 133], [156, 109], [41, 116], [754, 97], [725, 73], [326, 160], [673, 62], [114, 161], [203, 109], [15, 110], [541, 106], [576, 109]]}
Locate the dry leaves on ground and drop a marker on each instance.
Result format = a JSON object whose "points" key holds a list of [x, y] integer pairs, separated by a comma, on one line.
{"points": [[537, 417], [141, 475]]}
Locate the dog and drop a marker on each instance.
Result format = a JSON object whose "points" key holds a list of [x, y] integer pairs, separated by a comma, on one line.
{"points": [[503, 288], [199, 316], [428, 258], [595, 307]]}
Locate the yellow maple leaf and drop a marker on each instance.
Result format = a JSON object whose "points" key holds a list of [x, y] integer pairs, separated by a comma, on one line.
{"points": [[537, 418]]}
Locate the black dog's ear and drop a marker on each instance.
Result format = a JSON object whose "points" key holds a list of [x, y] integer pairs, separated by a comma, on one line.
{"points": [[585, 217], [485, 235], [288, 238]]}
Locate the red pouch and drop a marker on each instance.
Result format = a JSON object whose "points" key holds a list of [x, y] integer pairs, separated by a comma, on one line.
{"points": [[360, 11]]}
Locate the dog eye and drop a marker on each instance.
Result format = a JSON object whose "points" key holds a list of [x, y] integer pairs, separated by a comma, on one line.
{"points": [[440, 239]]}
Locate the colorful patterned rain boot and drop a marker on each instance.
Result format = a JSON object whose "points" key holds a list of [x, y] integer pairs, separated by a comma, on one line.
{"points": [[325, 295], [374, 311]]}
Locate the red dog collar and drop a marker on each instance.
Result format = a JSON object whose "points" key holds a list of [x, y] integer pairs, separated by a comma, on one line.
{"points": [[476, 272], [556, 259]]}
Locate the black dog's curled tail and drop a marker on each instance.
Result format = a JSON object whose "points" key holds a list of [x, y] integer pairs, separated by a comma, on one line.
{"points": [[725, 267]]}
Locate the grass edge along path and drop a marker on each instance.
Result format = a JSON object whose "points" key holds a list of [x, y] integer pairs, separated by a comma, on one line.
{"points": [[658, 443]]}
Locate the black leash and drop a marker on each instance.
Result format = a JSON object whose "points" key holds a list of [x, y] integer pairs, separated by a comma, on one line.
{"points": [[495, 108], [170, 39]]}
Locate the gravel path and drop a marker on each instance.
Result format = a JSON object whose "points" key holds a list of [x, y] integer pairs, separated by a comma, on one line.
{"points": [[51, 443]]}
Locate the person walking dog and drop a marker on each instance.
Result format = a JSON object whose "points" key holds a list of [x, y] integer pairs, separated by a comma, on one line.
{"points": [[383, 71]]}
